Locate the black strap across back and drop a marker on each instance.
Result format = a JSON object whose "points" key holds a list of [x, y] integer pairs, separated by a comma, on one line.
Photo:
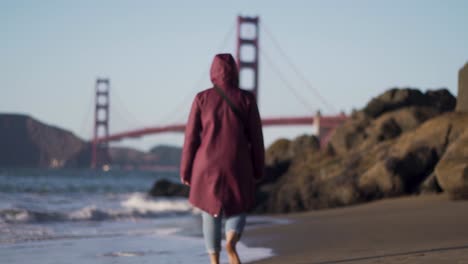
{"points": [[229, 102]]}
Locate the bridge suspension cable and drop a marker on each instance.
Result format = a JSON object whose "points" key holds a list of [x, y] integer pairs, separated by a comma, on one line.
{"points": [[328, 105], [285, 81], [189, 96], [125, 115], [86, 131], [178, 110]]}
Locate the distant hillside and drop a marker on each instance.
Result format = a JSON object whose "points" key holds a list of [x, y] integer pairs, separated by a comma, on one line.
{"points": [[27, 142], [159, 156], [167, 155]]}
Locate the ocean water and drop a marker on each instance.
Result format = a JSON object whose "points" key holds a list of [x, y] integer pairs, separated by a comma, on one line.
{"points": [[83, 216]]}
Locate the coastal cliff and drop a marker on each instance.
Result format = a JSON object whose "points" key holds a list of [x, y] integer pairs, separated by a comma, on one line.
{"points": [[27, 143]]}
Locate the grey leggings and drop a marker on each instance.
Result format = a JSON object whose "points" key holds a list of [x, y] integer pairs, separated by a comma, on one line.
{"points": [[212, 229]]}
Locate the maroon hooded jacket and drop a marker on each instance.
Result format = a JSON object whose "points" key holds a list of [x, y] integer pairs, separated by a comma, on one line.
{"points": [[223, 156]]}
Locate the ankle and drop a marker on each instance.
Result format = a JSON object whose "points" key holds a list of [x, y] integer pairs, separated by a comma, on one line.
{"points": [[214, 258]]}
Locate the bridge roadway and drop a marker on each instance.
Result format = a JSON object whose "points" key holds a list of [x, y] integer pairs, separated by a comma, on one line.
{"points": [[325, 122]]}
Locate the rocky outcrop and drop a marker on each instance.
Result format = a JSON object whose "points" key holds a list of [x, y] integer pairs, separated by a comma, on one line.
{"points": [[280, 154], [452, 170], [389, 148], [396, 98], [167, 188], [388, 116], [27, 142], [411, 158], [284, 150]]}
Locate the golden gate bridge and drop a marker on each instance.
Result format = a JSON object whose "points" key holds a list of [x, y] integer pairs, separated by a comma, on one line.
{"points": [[325, 124]]}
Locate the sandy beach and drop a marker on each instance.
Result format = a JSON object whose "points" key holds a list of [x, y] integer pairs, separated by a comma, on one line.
{"points": [[416, 229]]}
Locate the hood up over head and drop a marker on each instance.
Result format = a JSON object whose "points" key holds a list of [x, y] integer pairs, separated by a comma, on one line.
{"points": [[224, 72]]}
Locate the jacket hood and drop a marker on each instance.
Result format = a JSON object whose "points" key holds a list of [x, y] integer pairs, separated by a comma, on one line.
{"points": [[224, 72]]}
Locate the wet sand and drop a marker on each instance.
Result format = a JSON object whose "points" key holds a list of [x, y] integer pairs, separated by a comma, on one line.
{"points": [[423, 229]]}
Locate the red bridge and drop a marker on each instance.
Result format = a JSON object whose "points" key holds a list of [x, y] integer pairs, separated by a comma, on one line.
{"points": [[325, 125]]}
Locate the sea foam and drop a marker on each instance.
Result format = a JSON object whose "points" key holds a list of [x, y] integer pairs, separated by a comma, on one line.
{"points": [[136, 205], [145, 204]]}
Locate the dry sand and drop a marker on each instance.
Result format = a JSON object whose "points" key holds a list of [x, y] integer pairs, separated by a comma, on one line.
{"points": [[423, 229]]}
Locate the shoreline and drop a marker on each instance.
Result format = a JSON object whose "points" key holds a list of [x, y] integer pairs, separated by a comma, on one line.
{"points": [[412, 229]]}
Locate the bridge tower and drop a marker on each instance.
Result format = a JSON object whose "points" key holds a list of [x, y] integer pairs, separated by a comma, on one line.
{"points": [[99, 152], [247, 52]]}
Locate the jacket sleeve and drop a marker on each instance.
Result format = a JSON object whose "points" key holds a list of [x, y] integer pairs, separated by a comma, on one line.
{"points": [[256, 140], [191, 142]]}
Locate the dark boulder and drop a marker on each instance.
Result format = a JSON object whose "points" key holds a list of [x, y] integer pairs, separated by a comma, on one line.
{"points": [[394, 176], [398, 98], [389, 115], [279, 155], [167, 188], [410, 159]]}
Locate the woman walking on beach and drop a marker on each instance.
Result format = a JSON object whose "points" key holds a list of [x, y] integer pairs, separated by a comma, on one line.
{"points": [[223, 156]]}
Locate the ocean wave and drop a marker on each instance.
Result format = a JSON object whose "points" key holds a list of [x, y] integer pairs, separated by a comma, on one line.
{"points": [[143, 204], [137, 205]]}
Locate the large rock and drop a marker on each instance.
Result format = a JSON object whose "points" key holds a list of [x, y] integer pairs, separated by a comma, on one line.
{"points": [[398, 98], [411, 158], [279, 155], [311, 182], [452, 170], [387, 168], [398, 175], [388, 115], [363, 132], [462, 97], [391, 150], [167, 188]]}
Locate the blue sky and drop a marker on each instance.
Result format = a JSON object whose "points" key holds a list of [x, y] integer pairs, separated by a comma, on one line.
{"points": [[157, 55]]}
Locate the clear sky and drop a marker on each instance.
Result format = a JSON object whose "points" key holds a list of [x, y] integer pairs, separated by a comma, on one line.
{"points": [[157, 55]]}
